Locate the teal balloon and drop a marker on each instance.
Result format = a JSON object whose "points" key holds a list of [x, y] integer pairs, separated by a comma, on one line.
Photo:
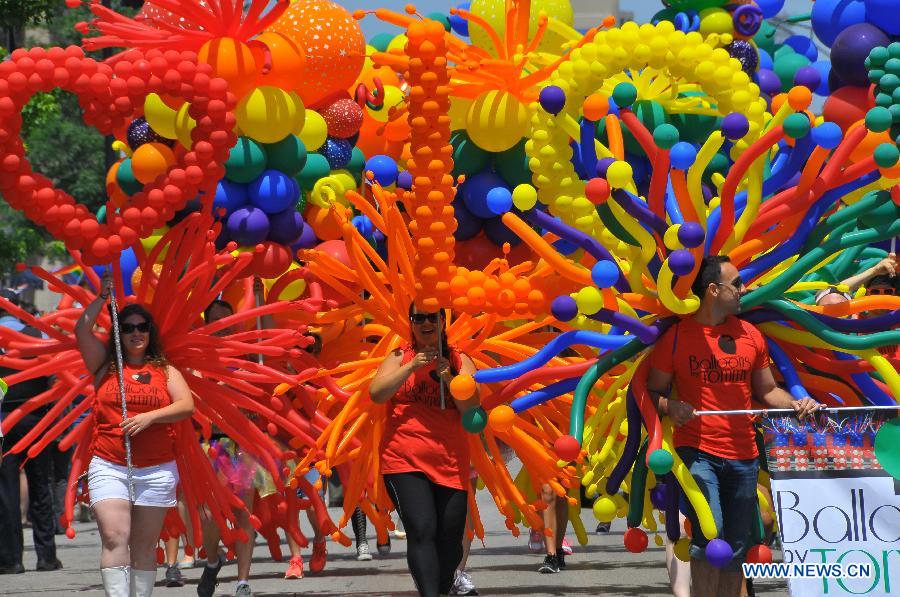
{"points": [[474, 420], [357, 164], [288, 155], [649, 112], [101, 214], [468, 158], [512, 165], [765, 38], [246, 161], [316, 167], [885, 213], [380, 42], [660, 461], [694, 128], [125, 177], [440, 18], [787, 65]]}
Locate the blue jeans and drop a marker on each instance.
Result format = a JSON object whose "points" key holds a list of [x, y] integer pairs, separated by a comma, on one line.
{"points": [[730, 489]]}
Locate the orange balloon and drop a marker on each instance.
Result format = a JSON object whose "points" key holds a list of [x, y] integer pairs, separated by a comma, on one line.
{"points": [[502, 418], [233, 61], [333, 42], [867, 146], [595, 107], [370, 142], [323, 223], [284, 57], [115, 193], [150, 160], [397, 130], [462, 387]]}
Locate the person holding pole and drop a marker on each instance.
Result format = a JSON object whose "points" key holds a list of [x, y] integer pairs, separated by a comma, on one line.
{"points": [[717, 362], [424, 451], [132, 476]]}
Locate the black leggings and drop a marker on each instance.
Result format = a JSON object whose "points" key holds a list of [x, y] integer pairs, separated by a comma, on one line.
{"points": [[434, 518]]}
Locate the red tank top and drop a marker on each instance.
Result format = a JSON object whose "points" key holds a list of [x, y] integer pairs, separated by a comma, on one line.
{"points": [[145, 390], [420, 436]]}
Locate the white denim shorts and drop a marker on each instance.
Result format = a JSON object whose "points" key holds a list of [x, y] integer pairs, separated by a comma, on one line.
{"points": [[153, 485]]}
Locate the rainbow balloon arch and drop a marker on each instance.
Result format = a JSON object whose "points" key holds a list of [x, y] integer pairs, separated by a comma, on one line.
{"points": [[554, 190]]}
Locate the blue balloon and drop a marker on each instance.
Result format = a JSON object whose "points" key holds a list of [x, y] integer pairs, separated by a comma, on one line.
{"points": [[404, 180], [468, 225], [827, 135], [824, 68], [307, 240], [804, 46], [384, 168], [230, 195], [128, 263], [248, 226], [337, 151], [770, 8], [565, 246], [765, 59], [884, 14], [499, 200], [475, 191], [460, 25], [364, 225], [830, 17], [682, 155], [286, 227], [605, 274], [273, 191], [498, 233]]}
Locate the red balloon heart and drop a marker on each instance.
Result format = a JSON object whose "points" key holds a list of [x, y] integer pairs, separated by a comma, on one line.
{"points": [[111, 97]]}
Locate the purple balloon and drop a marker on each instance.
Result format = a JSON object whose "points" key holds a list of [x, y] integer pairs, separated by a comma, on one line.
{"points": [[691, 234], [285, 227], [769, 83], [809, 77], [735, 126], [719, 553], [658, 496], [850, 50], [564, 308], [248, 226], [552, 99], [307, 240], [499, 233], [603, 165], [468, 224], [681, 262], [404, 180]]}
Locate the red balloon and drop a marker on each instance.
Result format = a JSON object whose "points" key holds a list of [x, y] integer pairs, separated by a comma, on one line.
{"points": [[272, 261], [759, 554], [337, 249], [847, 105], [635, 540], [567, 448]]}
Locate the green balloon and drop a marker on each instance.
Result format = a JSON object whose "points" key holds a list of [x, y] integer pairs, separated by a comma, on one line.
{"points": [[316, 167], [246, 161], [796, 126], [356, 164], [474, 420], [660, 461], [694, 128], [886, 155], [878, 119], [468, 158], [512, 165], [440, 18], [765, 37], [665, 136], [787, 65], [380, 42], [886, 211], [101, 214], [877, 57], [125, 177], [624, 94], [649, 112], [887, 447], [719, 163], [287, 155]]}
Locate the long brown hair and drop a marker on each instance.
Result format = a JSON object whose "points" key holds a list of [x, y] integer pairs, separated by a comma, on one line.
{"points": [[154, 354]]}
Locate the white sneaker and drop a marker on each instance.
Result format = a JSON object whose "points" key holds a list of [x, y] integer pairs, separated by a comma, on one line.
{"points": [[462, 584], [243, 590], [362, 552]]}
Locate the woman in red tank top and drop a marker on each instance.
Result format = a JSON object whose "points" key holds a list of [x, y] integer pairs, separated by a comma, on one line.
{"points": [[424, 450], [156, 394]]}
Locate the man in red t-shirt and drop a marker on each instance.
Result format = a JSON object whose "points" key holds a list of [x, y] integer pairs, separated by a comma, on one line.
{"points": [[716, 361]]}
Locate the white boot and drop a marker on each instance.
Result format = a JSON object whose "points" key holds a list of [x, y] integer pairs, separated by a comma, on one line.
{"points": [[115, 581], [142, 582]]}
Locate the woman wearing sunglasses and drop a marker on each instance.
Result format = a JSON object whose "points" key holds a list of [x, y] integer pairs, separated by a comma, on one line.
{"points": [[424, 450], [156, 395]]}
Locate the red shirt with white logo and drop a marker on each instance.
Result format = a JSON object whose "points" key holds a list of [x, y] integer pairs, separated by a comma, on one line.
{"points": [[712, 368]]}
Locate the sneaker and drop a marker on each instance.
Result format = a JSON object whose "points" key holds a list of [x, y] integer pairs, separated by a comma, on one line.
{"points": [[243, 590], [384, 548], [603, 527], [207, 585], [319, 556], [566, 547], [550, 564], [362, 552], [398, 534], [48, 565], [295, 568], [561, 559], [186, 563], [462, 584], [535, 542], [174, 577]]}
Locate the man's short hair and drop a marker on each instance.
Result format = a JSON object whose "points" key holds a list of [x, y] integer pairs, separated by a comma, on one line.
{"points": [[883, 280], [710, 271], [10, 295]]}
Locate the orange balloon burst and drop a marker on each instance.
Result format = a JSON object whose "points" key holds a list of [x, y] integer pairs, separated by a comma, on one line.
{"points": [[333, 42]]}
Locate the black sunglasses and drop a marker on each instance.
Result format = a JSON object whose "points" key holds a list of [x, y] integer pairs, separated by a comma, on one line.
{"points": [[880, 291], [130, 328], [737, 283], [420, 318]]}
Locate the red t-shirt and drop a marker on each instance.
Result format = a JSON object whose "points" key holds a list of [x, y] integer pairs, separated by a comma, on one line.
{"points": [[145, 390], [420, 436], [712, 367]]}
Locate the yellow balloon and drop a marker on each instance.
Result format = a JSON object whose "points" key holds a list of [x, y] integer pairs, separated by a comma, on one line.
{"points": [[619, 174], [494, 12], [459, 108], [397, 45], [393, 97], [524, 197], [160, 116], [268, 114], [589, 300], [292, 291], [184, 124], [150, 242], [715, 20], [345, 179], [605, 509], [683, 549], [496, 121], [314, 131]]}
